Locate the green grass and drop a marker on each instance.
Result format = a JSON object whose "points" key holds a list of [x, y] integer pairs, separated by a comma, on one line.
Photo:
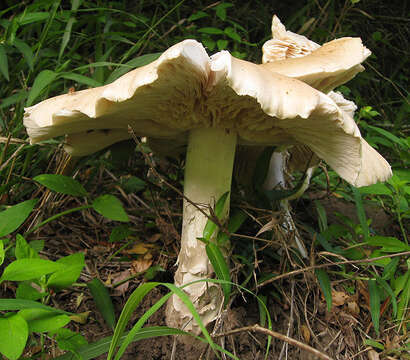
{"points": [[50, 47]]}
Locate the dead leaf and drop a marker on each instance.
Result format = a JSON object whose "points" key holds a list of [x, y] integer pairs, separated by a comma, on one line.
{"points": [[353, 308], [121, 289], [141, 265], [80, 318], [268, 226], [154, 238], [373, 355], [339, 298], [392, 344], [306, 333], [139, 249], [79, 300]]}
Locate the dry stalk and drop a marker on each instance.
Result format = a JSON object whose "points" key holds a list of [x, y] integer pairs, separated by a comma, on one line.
{"points": [[309, 268], [260, 329]]}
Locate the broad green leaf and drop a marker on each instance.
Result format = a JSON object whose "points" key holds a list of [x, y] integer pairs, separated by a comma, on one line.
{"points": [[14, 216], [388, 243], [19, 304], [208, 43], [43, 79], [23, 249], [26, 51], [133, 184], [61, 184], [221, 268], [229, 31], [69, 340], [375, 189], [324, 283], [27, 269], [37, 245], [120, 233], [110, 207], [374, 304], [40, 320], [69, 274], [210, 226], [221, 10], [4, 64], [222, 44], [197, 15], [211, 31], [81, 79], [13, 335], [103, 301], [26, 291]]}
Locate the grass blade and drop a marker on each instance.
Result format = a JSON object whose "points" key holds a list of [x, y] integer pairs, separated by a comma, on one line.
{"points": [[221, 268], [210, 226], [43, 79], [324, 283], [132, 302], [374, 304], [360, 212], [20, 304], [103, 301], [4, 65]]}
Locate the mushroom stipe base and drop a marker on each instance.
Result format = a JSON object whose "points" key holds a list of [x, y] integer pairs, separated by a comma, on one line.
{"points": [[208, 175]]}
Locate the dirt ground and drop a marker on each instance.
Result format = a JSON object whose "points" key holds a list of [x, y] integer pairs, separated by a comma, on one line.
{"points": [[296, 304]]}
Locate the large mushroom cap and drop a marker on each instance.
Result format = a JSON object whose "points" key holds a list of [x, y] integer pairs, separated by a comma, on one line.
{"points": [[185, 89], [286, 44]]}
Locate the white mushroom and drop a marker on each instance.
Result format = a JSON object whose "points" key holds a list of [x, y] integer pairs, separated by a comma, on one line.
{"points": [[214, 103]]}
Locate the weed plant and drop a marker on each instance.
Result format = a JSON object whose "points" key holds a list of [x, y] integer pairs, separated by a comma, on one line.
{"points": [[50, 47]]}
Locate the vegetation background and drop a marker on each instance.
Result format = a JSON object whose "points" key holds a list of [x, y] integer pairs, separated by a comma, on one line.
{"points": [[67, 250]]}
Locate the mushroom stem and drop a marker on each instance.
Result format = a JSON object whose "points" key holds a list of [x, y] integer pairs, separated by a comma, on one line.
{"points": [[276, 178], [208, 175]]}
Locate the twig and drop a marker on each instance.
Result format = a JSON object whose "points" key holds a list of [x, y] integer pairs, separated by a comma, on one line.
{"points": [[12, 156], [290, 325], [279, 336], [299, 271]]}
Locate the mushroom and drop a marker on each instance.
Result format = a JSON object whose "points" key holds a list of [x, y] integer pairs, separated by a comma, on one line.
{"points": [[214, 104]]}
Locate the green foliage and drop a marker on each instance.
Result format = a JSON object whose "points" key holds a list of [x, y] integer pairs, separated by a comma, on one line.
{"points": [[14, 216], [49, 47], [110, 207], [61, 184], [324, 282], [14, 334], [103, 301]]}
